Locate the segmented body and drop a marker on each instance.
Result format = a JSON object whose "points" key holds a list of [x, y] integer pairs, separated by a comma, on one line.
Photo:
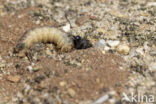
{"points": [[45, 34]]}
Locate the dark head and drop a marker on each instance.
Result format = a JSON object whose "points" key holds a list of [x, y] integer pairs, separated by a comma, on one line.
{"points": [[77, 38], [81, 43]]}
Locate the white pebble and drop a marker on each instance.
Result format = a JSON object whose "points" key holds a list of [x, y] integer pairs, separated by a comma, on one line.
{"points": [[152, 67], [112, 92], [30, 69], [101, 99], [123, 49], [140, 51], [28, 87], [151, 4], [101, 43], [112, 101], [113, 44], [66, 28]]}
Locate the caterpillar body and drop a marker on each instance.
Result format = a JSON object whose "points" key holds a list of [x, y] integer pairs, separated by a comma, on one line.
{"points": [[45, 34], [51, 34]]}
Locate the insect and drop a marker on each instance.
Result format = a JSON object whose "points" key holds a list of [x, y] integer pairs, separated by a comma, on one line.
{"points": [[81, 43], [46, 34]]}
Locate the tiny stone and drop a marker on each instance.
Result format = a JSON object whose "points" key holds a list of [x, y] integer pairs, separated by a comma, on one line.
{"points": [[37, 68], [14, 79], [102, 99], [112, 92], [97, 80], [100, 30], [2, 65], [81, 20], [21, 54], [151, 4], [30, 69], [123, 49], [152, 53], [101, 43], [106, 48], [79, 64], [43, 84], [19, 94], [42, 2], [113, 44], [37, 22], [27, 88], [63, 83], [48, 52], [71, 92], [140, 51], [112, 101], [66, 28], [152, 67], [20, 16]]}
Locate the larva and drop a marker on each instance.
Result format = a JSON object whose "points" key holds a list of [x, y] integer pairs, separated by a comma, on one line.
{"points": [[45, 34]]}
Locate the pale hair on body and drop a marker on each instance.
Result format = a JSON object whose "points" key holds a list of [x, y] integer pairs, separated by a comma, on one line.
{"points": [[45, 34]]}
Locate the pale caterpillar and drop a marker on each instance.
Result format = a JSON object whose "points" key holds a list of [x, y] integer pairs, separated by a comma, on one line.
{"points": [[46, 34]]}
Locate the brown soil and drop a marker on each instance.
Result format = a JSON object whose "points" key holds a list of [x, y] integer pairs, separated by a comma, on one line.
{"points": [[103, 69]]}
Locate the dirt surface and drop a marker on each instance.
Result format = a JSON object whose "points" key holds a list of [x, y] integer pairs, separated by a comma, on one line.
{"points": [[98, 74], [122, 59]]}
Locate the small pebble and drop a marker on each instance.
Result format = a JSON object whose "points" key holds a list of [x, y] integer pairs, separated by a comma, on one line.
{"points": [[2, 65], [37, 68], [19, 95], [63, 83], [14, 79], [152, 67], [101, 43], [71, 92], [112, 92], [102, 99], [66, 28], [113, 44], [30, 69], [151, 4], [48, 52], [38, 22], [82, 19], [21, 54], [43, 84], [97, 80], [101, 30], [140, 51], [42, 2], [123, 49], [112, 101]]}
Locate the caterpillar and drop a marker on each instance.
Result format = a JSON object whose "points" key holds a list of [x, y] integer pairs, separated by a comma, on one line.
{"points": [[45, 34]]}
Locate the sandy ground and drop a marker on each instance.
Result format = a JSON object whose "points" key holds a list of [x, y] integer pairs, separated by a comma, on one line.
{"points": [[46, 76]]}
